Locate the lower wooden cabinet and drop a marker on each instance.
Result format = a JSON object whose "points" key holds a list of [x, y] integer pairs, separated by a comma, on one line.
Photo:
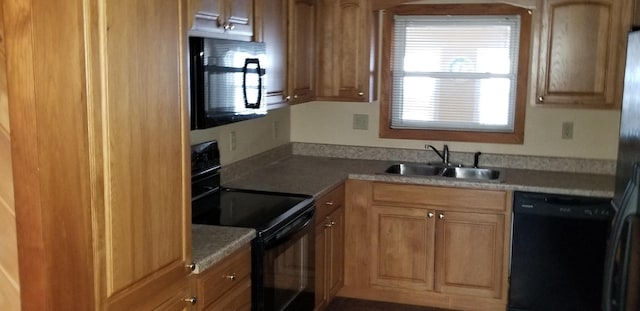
{"points": [[226, 285], [423, 245], [329, 246]]}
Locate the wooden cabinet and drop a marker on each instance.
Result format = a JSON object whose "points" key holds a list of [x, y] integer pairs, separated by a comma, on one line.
{"points": [[102, 201], [432, 246], [226, 285], [582, 53], [301, 51], [344, 39], [329, 246], [233, 17], [287, 27]]}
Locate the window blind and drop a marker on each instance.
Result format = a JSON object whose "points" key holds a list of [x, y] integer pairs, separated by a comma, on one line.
{"points": [[455, 72]]}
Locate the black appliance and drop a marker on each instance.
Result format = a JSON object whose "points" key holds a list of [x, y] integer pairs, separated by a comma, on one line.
{"points": [[283, 250], [557, 253], [622, 271], [227, 81]]}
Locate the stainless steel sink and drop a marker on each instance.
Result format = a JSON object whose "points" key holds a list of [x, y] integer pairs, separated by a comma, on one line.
{"points": [[471, 173], [414, 169]]}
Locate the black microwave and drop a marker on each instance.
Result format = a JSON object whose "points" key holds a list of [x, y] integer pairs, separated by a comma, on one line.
{"points": [[227, 81]]}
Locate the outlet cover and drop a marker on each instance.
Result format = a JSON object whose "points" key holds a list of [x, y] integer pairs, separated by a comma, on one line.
{"points": [[360, 121], [233, 142], [567, 130]]}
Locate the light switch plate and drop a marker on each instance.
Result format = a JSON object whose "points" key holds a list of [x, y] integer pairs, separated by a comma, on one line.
{"points": [[567, 130], [360, 121]]}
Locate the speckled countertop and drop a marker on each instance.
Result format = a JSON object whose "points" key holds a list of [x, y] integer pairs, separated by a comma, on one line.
{"points": [[317, 175], [210, 244]]}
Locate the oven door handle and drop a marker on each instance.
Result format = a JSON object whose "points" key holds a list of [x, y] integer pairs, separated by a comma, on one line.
{"points": [[291, 229]]}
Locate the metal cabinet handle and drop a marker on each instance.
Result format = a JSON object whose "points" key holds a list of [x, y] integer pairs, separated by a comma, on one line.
{"points": [[231, 277], [287, 98], [430, 215], [295, 96], [541, 99], [191, 266], [361, 94], [329, 203], [228, 26], [193, 300], [329, 222], [441, 216]]}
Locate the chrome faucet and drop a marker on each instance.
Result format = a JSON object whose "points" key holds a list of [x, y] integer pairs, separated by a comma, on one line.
{"points": [[444, 155]]}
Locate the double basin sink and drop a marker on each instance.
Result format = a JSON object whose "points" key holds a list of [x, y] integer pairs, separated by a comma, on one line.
{"points": [[426, 170]]}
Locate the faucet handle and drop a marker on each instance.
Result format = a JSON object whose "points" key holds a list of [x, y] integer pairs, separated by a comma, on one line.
{"points": [[476, 159]]}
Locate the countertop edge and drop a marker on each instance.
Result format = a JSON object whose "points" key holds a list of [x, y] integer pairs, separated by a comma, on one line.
{"points": [[211, 244]]}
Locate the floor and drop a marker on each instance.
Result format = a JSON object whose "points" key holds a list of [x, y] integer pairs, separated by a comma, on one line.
{"points": [[348, 304]]}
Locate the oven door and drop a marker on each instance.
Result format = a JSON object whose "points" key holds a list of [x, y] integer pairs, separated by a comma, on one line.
{"points": [[284, 267]]}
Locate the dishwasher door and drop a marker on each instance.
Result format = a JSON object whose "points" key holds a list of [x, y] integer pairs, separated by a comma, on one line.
{"points": [[557, 252]]}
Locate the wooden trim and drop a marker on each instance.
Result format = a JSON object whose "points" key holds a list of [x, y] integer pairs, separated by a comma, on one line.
{"points": [[517, 137]]}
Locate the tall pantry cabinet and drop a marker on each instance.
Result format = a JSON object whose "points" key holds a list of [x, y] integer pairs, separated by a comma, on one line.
{"points": [[97, 104]]}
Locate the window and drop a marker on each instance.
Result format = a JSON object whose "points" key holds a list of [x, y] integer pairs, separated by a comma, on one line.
{"points": [[457, 72]]}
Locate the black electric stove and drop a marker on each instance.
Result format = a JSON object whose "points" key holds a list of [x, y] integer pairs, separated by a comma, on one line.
{"points": [[284, 231]]}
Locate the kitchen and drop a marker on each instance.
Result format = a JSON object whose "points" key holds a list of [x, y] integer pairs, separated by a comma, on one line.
{"points": [[328, 122]]}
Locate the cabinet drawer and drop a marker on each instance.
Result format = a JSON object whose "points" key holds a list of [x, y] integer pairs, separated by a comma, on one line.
{"points": [[239, 299], [329, 203], [440, 197], [224, 277]]}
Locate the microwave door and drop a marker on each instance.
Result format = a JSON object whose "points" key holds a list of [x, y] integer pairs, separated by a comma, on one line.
{"points": [[252, 84]]}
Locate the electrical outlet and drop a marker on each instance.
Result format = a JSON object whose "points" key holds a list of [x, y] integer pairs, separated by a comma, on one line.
{"points": [[567, 130], [360, 121], [233, 142]]}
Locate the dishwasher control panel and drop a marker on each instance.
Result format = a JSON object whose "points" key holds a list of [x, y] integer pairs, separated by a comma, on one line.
{"points": [[562, 205]]}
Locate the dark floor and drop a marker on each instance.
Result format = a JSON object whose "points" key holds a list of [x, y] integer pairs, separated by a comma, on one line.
{"points": [[348, 304]]}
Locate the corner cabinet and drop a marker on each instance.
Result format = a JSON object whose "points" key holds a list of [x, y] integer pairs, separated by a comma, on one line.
{"points": [[329, 258], [582, 53], [232, 17], [432, 246], [344, 39]]}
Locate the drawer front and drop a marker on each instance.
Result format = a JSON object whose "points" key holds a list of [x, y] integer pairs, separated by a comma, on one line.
{"points": [[225, 276], [329, 203], [462, 198], [239, 299]]}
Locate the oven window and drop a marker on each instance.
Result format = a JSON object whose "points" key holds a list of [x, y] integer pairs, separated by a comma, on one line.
{"points": [[288, 274]]}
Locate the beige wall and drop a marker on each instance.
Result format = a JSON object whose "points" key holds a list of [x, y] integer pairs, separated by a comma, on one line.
{"points": [[252, 136], [9, 281], [595, 131]]}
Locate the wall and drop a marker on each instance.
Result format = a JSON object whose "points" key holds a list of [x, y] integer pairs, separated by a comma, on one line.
{"points": [[9, 280], [595, 133], [252, 136]]}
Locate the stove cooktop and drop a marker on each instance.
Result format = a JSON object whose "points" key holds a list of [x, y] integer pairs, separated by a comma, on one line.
{"points": [[248, 208]]}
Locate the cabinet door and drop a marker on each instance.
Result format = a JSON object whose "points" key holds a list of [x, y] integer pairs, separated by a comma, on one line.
{"points": [[581, 45], [321, 292], [141, 206], [402, 247], [344, 45], [469, 252], [222, 16], [335, 253], [273, 17], [301, 62]]}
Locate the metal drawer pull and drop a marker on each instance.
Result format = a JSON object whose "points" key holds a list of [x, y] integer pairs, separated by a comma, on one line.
{"points": [[441, 216], [193, 300], [430, 215], [231, 277], [329, 203], [191, 266]]}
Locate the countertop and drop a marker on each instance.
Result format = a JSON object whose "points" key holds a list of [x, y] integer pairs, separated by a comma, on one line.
{"points": [[210, 244], [316, 176]]}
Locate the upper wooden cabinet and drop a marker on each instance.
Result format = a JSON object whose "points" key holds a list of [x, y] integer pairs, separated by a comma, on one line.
{"points": [[301, 51], [233, 17], [287, 27], [344, 47], [581, 55]]}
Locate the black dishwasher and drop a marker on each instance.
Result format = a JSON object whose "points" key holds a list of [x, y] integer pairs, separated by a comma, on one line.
{"points": [[557, 251]]}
